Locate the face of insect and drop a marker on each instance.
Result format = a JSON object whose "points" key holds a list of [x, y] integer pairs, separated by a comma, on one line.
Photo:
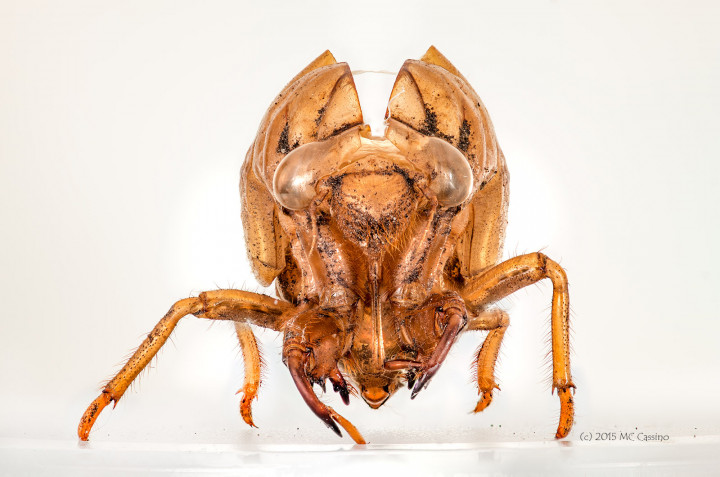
{"points": [[360, 232], [369, 203], [373, 197]]}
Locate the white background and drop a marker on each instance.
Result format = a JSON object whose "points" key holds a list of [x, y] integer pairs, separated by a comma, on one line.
{"points": [[123, 126]]}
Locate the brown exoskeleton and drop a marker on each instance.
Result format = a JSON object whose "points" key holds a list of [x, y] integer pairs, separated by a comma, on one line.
{"points": [[383, 249]]}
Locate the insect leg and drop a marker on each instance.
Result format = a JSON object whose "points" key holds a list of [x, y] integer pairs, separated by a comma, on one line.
{"points": [[496, 321], [455, 322], [516, 273], [314, 342], [296, 361], [253, 363], [233, 305]]}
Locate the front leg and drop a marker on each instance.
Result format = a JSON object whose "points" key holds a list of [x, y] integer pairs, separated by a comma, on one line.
{"points": [[452, 319], [315, 340], [431, 330], [232, 305], [516, 273]]}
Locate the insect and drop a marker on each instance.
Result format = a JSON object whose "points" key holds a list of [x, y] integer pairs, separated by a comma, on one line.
{"points": [[382, 249]]}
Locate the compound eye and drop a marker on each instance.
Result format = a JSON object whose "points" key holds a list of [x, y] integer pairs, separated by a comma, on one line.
{"points": [[451, 180], [295, 178]]}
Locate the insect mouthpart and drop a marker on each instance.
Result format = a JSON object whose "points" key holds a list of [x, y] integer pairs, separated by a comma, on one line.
{"points": [[375, 397]]}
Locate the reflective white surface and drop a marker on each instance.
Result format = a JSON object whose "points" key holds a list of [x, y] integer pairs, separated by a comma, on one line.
{"points": [[59, 458]]}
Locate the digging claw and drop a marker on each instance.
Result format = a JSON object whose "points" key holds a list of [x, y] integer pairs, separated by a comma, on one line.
{"points": [[416, 390], [296, 365], [424, 380], [455, 322], [328, 420], [411, 377], [344, 393], [340, 386]]}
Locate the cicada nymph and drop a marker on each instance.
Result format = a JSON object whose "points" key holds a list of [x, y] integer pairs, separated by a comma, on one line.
{"points": [[383, 250]]}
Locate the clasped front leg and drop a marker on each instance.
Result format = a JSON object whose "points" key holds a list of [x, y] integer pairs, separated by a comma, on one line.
{"points": [[312, 346]]}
